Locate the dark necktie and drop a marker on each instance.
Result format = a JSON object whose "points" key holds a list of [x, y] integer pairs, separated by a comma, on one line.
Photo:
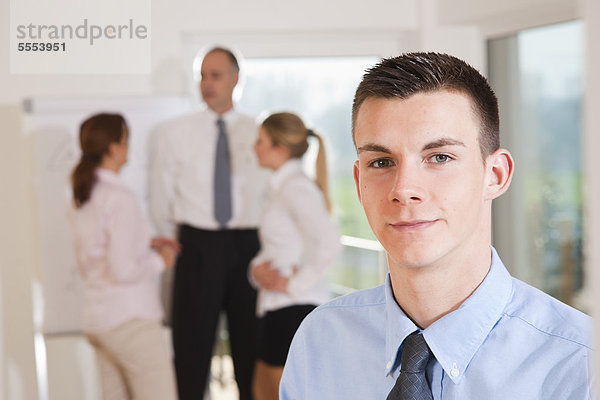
{"points": [[412, 383], [222, 181]]}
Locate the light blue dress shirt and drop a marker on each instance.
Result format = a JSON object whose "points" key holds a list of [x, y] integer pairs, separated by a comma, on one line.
{"points": [[508, 340]]}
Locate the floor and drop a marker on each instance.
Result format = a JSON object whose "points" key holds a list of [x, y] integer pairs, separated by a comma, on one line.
{"points": [[222, 382]]}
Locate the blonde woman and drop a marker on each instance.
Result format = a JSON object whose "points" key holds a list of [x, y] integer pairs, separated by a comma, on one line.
{"points": [[120, 265], [298, 242]]}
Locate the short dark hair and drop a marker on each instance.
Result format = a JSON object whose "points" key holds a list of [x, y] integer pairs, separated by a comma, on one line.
{"points": [[229, 54], [411, 73]]}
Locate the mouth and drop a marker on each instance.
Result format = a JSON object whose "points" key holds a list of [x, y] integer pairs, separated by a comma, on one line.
{"points": [[413, 225]]}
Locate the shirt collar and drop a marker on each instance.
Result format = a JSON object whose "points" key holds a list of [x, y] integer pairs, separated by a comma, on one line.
{"points": [[399, 326], [106, 175], [291, 167], [455, 338], [229, 116]]}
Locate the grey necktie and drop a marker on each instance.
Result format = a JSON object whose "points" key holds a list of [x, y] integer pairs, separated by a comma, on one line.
{"points": [[412, 382], [222, 181]]}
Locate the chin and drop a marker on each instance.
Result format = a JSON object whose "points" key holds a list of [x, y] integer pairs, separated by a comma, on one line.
{"points": [[413, 254], [410, 260]]}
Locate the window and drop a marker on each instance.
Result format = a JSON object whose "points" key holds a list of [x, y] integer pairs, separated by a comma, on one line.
{"points": [[538, 76], [321, 90]]}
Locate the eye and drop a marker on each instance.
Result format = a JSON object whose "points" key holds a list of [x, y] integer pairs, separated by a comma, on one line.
{"points": [[381, 163], [440, 158]]}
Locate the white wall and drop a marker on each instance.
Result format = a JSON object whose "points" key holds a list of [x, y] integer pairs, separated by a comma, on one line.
{"points": [[501, 17], [456, 26], [16, 263], [173, 19]]}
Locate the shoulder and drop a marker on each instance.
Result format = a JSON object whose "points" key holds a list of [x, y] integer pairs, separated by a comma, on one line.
{"points": [[356, 320], [548, 316], [245, 118], [174, 127], [356, 307], [299, 181], [299, 188], [191, 117], [113, 195], [244, 122], [372, 297]]}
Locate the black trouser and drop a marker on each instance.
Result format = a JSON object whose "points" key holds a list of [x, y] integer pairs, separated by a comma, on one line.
{"points": [[211, 275]]}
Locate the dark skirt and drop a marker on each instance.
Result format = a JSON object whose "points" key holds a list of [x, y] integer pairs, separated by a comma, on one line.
{"points": [[276, 330]]}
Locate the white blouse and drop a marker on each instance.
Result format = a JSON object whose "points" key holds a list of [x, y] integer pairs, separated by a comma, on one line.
{"points": [[112, 244], [297, 234]]}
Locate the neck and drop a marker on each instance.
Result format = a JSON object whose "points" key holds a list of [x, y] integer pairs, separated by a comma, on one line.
{"points": [[428, 293], [279, 163], [222, 109], [109, 164]]}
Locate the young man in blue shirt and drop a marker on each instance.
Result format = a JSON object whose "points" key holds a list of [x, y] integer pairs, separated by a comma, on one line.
{"points": [[426, 130]]}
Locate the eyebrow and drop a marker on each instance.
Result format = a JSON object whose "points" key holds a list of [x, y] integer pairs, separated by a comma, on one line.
{"points": [[443, 142], [373, 147], [432, 145]]}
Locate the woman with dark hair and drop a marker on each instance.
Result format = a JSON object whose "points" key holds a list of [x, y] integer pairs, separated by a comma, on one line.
{"points": [[120, 265], [298, 242]]}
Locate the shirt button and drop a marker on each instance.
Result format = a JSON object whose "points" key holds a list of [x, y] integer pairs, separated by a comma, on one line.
{"points": [[454, 372], [388, 365]]}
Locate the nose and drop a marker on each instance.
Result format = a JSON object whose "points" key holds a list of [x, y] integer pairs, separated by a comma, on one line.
{"points": [[408, 185]]}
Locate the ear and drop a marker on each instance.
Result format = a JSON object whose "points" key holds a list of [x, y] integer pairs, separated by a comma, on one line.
{"points": [[357, 178], [112, 149], [499, 169], [282, 151]]}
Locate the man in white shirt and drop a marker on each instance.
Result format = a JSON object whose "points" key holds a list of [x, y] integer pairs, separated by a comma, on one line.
{"points": [[207, 187]]}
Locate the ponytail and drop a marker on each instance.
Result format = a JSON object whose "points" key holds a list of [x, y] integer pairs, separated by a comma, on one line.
{"points": [[83, 178], [321, 169]]}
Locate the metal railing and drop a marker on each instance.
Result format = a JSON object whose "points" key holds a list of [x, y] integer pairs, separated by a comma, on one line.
{"points": [[362, 244]]}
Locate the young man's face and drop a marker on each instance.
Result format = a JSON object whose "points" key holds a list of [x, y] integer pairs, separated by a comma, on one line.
{"points": [[421, 178], [218, 79]]}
